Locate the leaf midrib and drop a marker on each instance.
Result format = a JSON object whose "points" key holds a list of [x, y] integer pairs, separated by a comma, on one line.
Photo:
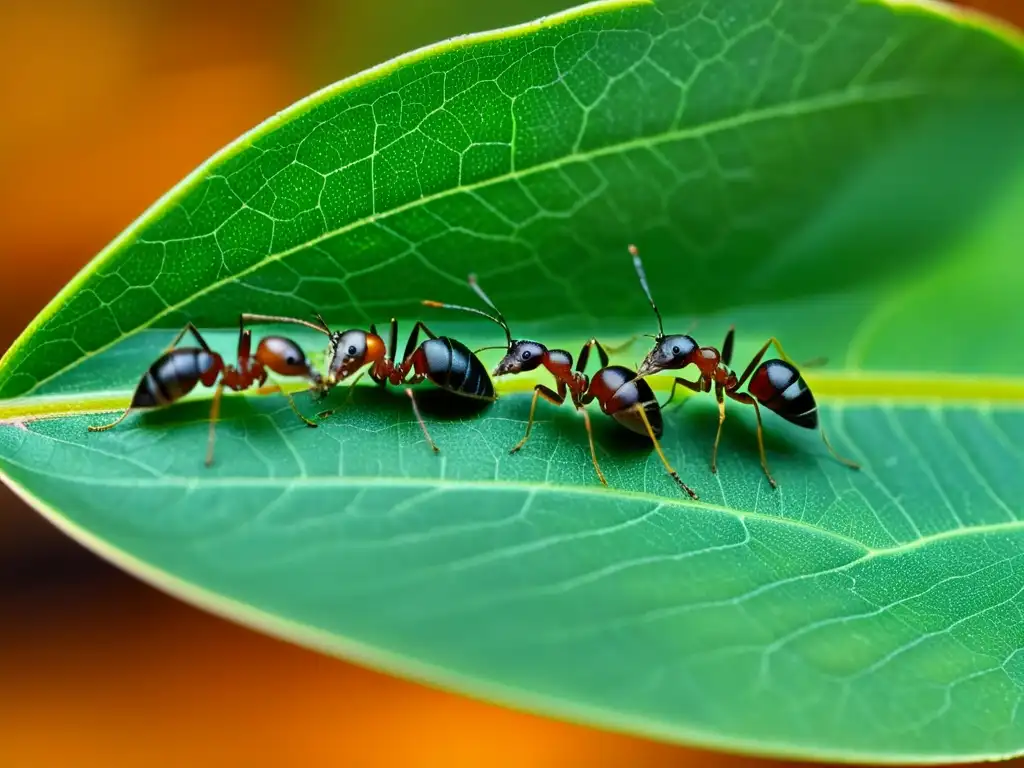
{"points": [[824, 102], [848, 387]]}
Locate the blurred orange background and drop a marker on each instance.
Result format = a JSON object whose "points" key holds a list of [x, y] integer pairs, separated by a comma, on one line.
{"points": [[108, 103]]}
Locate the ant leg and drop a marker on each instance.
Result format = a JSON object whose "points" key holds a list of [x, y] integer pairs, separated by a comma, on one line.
{"points": [[754, 362], [393, 341], [189, 328], [836, 455], [657, 446], [556, 398], [244, 348], [760, 354], [590, 436], [778, 346], [691, 385], [743, 397], [419, 418], [275, 388], [348, 398], [581, 363], [720, 397], [727, 345], [414, 337], [392, 348], [214, 415], [114, 423]]}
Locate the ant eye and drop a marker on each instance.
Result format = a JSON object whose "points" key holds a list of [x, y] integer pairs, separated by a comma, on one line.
{"points": [[675, 350], [527, 354], [352, 350]]}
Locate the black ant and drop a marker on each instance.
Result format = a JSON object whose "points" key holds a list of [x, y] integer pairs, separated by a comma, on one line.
{"points": [[445, 362], [620, 393], [775, 384], [179, 369]]}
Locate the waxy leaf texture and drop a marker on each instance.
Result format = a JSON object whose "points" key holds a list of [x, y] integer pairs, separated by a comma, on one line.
{"points": [[847, 175]]}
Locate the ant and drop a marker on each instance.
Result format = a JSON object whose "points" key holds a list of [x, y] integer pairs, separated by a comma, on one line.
{"points": [[445, 362], [179, 369], [620, 393], [775, 384]]}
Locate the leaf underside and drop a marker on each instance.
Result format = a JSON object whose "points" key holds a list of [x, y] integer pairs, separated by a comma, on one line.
{"points": [[817, 171]]}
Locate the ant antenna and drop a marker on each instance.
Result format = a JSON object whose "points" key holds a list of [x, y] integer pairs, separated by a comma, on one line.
{"points": [[492, 318], [499, 320], [253, 318], [320, 319], [643, 284]]}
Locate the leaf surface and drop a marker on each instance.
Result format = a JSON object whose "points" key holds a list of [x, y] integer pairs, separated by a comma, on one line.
{"points": [[817, 171]]}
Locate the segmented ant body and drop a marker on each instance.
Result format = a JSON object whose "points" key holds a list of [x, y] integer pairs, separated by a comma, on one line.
{"points": [[179, 370], [617, 390], [775, 384], [445, 362]]}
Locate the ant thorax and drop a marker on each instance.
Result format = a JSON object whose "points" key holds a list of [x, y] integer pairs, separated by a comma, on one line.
{"points": [[709, 362]]}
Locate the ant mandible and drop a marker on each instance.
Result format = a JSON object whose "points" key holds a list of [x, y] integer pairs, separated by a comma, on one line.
{"points": [[179, 369], [775, 384], [445, 362], [619, 392]]}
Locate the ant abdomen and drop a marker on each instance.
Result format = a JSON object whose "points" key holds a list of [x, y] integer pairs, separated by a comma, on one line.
{"points": [[619, 391], [452, 366], [778, 386], [174, 375]]}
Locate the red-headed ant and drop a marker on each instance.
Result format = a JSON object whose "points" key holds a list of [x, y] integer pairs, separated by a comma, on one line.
{"points": [[179, 369], [775, 384], [445, 362], [621, 395]]}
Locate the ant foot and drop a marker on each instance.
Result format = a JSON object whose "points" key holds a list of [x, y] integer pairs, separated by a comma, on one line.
{"points": [[692, 494]]}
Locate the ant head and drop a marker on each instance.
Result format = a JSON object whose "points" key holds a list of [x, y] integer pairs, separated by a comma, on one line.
{"points": [[348, 351], [669, 353], [522, 356], [286, 358]]}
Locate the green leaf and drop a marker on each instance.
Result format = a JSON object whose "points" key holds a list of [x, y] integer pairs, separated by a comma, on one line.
{"points": [[847, 176]]}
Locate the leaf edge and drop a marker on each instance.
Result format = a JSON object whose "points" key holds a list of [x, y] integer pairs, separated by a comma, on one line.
{"points": [[1002, 32]]}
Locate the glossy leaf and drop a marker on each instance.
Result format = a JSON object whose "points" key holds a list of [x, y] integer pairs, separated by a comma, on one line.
{"points": [[845, 175]]}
